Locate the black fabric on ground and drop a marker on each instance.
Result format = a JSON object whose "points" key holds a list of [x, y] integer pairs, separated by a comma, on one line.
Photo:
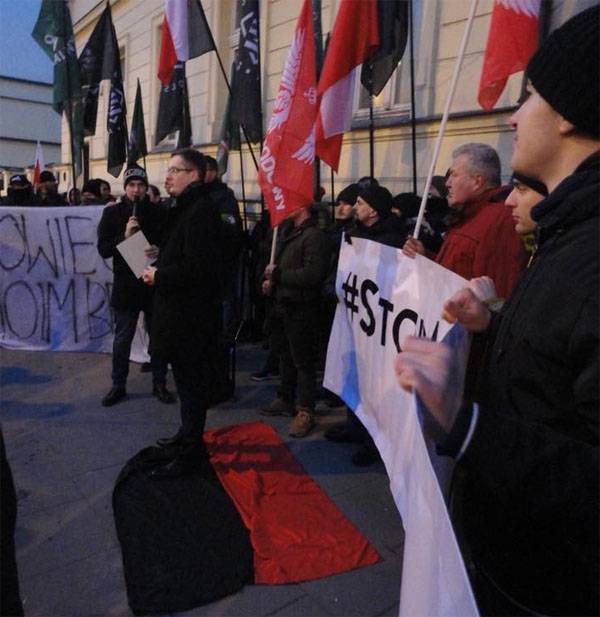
{"points": [[182, 539]]}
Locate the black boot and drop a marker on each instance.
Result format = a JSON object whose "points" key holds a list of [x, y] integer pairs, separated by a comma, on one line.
{"points": [[192, 458]]}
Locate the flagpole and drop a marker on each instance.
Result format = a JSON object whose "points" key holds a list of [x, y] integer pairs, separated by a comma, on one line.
{"points": [[318, 41], [332, 195], [371, 131], [413, 119], [449, 97]]}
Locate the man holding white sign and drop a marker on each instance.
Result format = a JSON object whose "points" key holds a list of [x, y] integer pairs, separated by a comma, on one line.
{"points": [[529, 445]]}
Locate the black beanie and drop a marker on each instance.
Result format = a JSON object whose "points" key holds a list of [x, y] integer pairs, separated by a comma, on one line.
{"points": [[379, 198], [134, 172], [565, 70], [532, 183], [348, 194]]}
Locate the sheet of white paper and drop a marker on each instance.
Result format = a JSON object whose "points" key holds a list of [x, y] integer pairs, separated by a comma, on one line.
{"points": [[132, 249]]}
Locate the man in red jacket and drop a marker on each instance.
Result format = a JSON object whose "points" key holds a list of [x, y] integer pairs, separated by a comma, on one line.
{"points": [[481, 240]]}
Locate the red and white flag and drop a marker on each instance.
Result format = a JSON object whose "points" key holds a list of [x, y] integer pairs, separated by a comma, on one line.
{"points": [[355, 35], [286, 169], [185, 34], [38, 165], [512, 39]]}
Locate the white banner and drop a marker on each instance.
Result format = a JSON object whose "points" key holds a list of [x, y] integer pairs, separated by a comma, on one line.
{"points": [[54, 286], [384, 296]]}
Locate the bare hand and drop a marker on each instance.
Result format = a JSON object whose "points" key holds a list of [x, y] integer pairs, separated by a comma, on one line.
{"points": [[413, 247], [483, 287], [111, 203], [148, 275], [266, 287], [465, 307], [151, 252], [269, 271], [132, 226], [436, 372]]}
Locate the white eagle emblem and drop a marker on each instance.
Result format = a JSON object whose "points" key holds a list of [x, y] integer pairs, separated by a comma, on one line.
{"points": [[529, 7]]}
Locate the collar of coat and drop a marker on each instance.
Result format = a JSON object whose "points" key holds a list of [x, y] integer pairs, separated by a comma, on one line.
{"points": [[191, 193], [575, 200]]}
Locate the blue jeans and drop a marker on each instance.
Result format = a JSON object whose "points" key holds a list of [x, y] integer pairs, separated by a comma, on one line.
{"points": [[125, 324]]}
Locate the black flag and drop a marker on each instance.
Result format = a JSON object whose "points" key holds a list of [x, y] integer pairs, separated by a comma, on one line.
{"points": [[230, 133], [392, 19], [184, 140], [246, 101], [171, 104], [137, 136]]}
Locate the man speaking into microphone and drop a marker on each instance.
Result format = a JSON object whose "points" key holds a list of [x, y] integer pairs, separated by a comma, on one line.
{"points": [[132, 213]]}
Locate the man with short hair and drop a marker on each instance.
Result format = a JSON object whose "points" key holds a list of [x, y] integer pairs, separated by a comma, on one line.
{"points": [[187, 304], [528, 446], [481, 240], [132, 213]]}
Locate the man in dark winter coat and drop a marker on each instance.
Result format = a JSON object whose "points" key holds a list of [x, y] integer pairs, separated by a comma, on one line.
{"points": [[187, 303], [296, 282], [47, 191], [233, 239], [134, 212], [19, 192], [529, 445]]}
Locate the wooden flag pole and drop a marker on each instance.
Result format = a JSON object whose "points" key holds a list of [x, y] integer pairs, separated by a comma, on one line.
{"points": [[449, 97]]}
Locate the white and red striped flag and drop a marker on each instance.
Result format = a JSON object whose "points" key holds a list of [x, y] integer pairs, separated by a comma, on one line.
{"points": [[185, 34], [286, 163], [38, 165], [512, 39], [355, 35]]}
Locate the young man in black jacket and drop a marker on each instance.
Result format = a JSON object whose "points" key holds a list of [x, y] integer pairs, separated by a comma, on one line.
{"points": [[187, 304], [529, 445], [134, 212]]}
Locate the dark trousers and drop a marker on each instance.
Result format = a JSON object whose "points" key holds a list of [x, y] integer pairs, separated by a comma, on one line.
{"points": [[125, 324], [192, 392], [294, 336]]}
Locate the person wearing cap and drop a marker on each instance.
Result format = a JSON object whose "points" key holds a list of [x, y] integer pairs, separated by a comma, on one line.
{"points": [[19, 191], [481, 240], [47, 191], [91, 193], [132, 213], [528, 445], [295, 281]]}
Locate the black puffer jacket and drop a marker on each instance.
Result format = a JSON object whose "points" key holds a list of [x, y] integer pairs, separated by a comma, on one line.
{"points": [[188, 281], [128, 291], [302, 263], [531, 501], [389, 231]]}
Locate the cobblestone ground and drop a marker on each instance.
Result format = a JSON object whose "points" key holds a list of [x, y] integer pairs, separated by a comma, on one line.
{"points": [[66, 451]]}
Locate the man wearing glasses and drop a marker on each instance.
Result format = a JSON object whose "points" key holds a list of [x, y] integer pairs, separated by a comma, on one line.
{"points": [[187, 304]]}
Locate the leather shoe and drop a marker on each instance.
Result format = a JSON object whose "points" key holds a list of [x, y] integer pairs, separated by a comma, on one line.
{"points": [[345, 433], [162, 394], [115, 395]]}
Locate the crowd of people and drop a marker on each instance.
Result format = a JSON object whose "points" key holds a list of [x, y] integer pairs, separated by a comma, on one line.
{"points": [[522, 420]]}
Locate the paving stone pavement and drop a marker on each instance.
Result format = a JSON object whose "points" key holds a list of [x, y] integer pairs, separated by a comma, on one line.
{"points": [[66, 451]]}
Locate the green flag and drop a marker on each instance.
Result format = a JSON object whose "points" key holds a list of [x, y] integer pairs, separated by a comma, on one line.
{"points": [[53, 32]]}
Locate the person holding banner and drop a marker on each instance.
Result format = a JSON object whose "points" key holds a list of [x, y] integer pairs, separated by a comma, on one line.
{"points": [[481, 240], [528, 446], [130, 296]]}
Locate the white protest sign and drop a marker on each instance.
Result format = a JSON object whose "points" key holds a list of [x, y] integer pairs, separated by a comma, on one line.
{"points": [[54, 286], [384, 296]]}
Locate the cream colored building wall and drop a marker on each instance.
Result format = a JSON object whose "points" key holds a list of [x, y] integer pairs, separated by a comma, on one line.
{"points": [[137, 24]]}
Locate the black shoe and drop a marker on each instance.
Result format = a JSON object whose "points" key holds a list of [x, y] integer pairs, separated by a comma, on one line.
{"points": [[263, 376], [162, 394], [344, 433], [366, 455], [115, 395], [145, 367]]}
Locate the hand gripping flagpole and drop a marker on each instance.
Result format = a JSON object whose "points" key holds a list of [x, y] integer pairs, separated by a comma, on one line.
{"points": [[438, 142]]}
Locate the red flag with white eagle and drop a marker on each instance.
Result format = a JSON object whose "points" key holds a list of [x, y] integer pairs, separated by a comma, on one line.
{"points": [[38, 165], [185, 34], [286, 169], [355, 35], [512, 39]]}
